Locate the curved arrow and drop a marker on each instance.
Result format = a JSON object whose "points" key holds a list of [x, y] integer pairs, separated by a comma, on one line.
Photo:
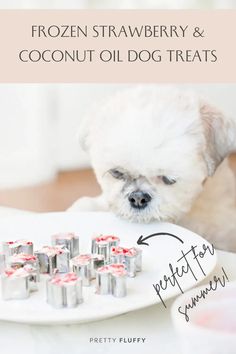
{"points": [[142, 239]]}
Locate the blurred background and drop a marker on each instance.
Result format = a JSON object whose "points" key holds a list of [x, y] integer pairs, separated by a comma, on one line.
{"points": [[42, 167]]}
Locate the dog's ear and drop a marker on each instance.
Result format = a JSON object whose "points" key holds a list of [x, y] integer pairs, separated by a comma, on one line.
{"points": [[220, 136]]}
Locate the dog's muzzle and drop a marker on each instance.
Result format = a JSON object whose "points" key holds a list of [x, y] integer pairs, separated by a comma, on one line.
{"points": [[139, 199]]}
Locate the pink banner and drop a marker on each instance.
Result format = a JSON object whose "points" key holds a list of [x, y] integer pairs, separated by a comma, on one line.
{"points": [[120, 46]]}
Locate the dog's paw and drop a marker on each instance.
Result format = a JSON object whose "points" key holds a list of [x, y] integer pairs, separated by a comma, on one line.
{"points": [[88, 204]]}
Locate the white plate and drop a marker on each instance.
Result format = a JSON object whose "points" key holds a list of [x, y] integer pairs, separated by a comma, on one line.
{"points": [[156, 258]]}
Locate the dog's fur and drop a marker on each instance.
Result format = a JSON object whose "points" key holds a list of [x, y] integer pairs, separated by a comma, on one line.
{"points": [[150, 132]]}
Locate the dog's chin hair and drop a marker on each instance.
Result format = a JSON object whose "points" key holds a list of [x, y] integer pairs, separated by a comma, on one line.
{"points": [[146, 215], [138, 217], [141, 217]]}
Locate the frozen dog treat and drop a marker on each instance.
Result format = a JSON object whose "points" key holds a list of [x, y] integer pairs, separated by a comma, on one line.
{"points": [[102, 245], [130, 257], [118, 282], [69, 240], [103, 248], [53, 257], [111, 279], [15, 284], [103, 281], [64, 290], [118, 254], [81, 266], [9, 248], [111, 239], [19, 260], [30, 264], [25, 246], [19, 246], [130, 265], [85, 266], [34, 277], [138, 258]]}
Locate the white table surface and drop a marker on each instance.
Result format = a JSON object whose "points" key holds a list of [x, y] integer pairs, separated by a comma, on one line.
{"points": [[153, 323]]}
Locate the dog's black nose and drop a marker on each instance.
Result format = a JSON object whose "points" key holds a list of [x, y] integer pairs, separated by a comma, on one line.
{"points": [[139, 199]]}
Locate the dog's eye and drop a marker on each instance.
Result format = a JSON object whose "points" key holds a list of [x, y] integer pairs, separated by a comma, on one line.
{"points": [[116, 174], [168, 180]]}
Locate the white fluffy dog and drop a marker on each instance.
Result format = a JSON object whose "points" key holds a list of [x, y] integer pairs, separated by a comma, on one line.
{"points": [[156, 152]]}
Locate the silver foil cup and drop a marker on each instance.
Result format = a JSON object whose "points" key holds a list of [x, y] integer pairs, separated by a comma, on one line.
{"points": [[33, 281], [25, 247], [94, 246], [83, 270], [111, 243], [73, 294], [114, 243], [130, 265], [21, 259], [68, 294], [47, 263], [31, 266], [10, 248], [55, 296], [2, 262], [79, 290], [14, 288], [103, 249], [63, 261], [118, 284], [117, 258], [69, 240], [103, 281], [97, 261], [34, 277], [14, 247], [138, 259]]}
